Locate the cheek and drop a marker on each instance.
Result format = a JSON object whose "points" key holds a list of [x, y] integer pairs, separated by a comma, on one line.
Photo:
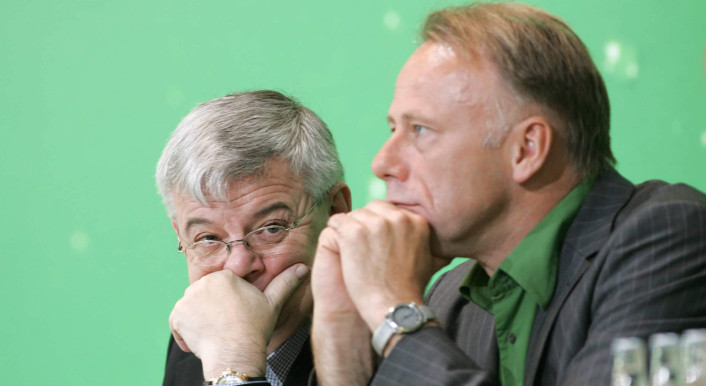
{"points": [[276, 263], [299, 250]]}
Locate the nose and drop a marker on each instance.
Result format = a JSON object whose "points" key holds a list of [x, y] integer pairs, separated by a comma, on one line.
{"points": [[389, 162], [243, 262]]}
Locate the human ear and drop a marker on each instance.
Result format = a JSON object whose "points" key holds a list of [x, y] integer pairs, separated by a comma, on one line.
{"points": [[530, 149], [340, 199], [176, 229]]}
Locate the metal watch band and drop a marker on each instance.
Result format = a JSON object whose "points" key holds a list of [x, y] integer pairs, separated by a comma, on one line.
{"points": [[388, 328], [382, 335], [232, 377]]}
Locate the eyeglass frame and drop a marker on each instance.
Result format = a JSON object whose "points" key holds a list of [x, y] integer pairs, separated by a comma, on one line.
{"points": [[228, 244]]}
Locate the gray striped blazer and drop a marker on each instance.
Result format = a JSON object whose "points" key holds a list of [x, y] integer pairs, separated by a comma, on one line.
{"points": [[633, 263]]}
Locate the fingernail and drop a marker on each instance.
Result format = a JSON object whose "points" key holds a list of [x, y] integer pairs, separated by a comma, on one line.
{"points": [[301, 271]]}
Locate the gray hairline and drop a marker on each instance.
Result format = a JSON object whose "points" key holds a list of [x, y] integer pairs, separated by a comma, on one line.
{"points": [[222, 195], [187, 165]]}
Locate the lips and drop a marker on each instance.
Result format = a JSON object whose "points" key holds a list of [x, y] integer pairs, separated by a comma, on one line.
{"points": [[412, 207], [403, 204], [398, 202]]}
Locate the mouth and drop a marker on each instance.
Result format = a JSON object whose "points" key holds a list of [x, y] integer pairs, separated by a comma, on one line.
{"points": [[405, 205]]}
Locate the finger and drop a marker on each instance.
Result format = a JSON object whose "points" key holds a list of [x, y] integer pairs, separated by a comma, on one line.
{"points": [[177, 337], [327, 257], [328, 242], [284, 284], [179, 341], [341, 220], [336, 221], [388, 210], [381, 206]]}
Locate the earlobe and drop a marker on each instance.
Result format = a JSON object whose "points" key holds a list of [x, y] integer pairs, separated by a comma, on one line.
{"points": [[534, 139], [340, 198]]}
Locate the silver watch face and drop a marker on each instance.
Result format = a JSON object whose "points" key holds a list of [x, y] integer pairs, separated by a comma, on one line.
{"points": [[407, 317], [230, 378]]}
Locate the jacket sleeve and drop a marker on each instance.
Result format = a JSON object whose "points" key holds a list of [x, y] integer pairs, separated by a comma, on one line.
{"points": [[431, 356]]}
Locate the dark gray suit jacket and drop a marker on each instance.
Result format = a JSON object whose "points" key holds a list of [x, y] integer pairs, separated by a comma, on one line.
{"points": [[633, 263]]}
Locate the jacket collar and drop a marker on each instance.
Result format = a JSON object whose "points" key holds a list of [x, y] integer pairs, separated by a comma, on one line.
{"points": [[589, 231]]}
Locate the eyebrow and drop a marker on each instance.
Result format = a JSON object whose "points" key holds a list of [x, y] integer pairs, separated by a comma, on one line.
{"points": [[407, 117], [260, 213], [273, 207], [195, 221]]}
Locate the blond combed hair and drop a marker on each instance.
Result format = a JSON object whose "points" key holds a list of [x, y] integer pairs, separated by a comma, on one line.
{"points": [[542, 62]]}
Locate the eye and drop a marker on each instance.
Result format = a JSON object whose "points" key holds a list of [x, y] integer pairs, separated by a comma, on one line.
{"points": [[268, 235], [273, 229], [419, 129], [206, 238], [207, 243], [207, 246]]}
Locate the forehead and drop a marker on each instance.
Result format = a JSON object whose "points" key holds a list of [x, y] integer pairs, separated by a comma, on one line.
{"points": [[438, 78], [246, 195]]}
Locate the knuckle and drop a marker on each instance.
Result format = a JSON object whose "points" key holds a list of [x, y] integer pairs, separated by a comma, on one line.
{"points": [[377, 204], [419, 223], [378, 224], [357, 230], [326, 234], [327, 238], [335, 219], [400, 217]]}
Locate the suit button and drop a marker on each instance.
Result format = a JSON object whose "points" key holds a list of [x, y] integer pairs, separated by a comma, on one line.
{"points": [[511, 338]]}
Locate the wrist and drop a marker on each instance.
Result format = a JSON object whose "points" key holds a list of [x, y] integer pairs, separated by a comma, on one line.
{"points": [[403, 318], [232, 377], [252, 363], [342, 358], [397, 337]]}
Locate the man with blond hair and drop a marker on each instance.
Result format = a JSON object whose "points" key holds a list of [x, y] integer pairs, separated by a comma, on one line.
{"points": [[500, 151]]}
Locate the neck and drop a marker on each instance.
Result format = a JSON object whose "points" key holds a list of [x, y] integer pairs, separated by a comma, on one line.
{"points": [[531, 202]]}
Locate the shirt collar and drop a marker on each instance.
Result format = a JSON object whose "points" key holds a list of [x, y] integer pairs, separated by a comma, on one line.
{"points": [[533, 263], [280, 361]]}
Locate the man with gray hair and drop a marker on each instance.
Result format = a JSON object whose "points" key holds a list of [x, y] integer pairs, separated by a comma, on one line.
{"points": [[500, 151], [249, 180]]}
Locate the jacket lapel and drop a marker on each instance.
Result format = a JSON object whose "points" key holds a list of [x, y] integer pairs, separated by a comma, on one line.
{"points": [[588, 232], [301, 368]]}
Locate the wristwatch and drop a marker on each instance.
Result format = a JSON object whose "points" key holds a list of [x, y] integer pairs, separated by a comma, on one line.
{"points": [[400, 319], [228, 377]]}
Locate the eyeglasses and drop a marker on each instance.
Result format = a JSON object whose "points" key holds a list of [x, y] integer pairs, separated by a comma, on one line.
{"points": [[207, 253]]}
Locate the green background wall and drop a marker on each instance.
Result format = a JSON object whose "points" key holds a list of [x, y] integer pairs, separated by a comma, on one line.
{"points": [[91, 89]]}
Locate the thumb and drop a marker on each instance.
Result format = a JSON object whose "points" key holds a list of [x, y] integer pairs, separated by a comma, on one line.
{"points": [[284, 284]]}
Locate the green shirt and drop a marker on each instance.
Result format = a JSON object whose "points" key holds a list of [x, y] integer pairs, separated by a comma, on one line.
{"points": [[523, 281]]}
